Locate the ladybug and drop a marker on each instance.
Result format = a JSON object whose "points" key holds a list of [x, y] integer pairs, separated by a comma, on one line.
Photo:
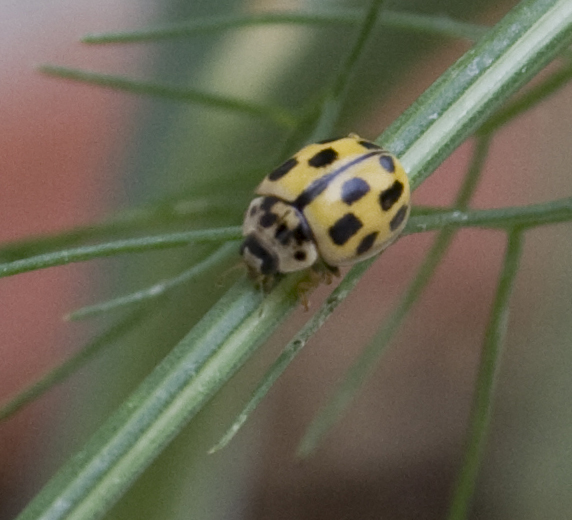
{"points": [[333, 203]]}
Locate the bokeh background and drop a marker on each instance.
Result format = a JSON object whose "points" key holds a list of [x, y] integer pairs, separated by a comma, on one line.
{"points": [[71, 154]]}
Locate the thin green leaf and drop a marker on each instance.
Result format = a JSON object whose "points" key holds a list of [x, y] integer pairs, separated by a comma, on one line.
{"points": [[159, 289], [438, 25], [348, 66], [419, 211], [503, 218], [486, 379], [334, 98], [142, 218], [526, 216], [279, 116], [74, 363], [133, 245]]}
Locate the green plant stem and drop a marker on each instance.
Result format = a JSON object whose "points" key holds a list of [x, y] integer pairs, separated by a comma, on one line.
{"points": [[279, 116], [74, 363], [368, 360], [158, 289], [133, 245], [439, 25], [530, 216], [158, 214], [486, 379], [524, 216]]}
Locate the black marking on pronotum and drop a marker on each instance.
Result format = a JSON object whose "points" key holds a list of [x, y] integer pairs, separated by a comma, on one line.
{"points": [[283, 169], [353, 190], [268, 219], [300, 256], [283, 234], [345, 228], [369, 145], [268, 262], [387, 163], [302, 233], [398, 218], [323, 158], [253, 210], [388, 197], [268, 202], [366, 243], [321, 183]]}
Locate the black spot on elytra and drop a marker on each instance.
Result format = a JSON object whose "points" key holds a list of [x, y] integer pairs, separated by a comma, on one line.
{"points": [[397, 220], [253, 211], [300, 256], [283, 169], [353, 190], [345, 228], [369, 145], [388, 197], [323, 158], [267, 219], [387, 163], [366, 243]]}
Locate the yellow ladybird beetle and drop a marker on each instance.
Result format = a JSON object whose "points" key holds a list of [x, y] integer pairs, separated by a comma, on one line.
{"points": [[333, 203]]}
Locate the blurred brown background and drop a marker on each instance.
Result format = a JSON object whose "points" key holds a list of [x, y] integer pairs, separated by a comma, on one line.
{"points": [[71, 153]]}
